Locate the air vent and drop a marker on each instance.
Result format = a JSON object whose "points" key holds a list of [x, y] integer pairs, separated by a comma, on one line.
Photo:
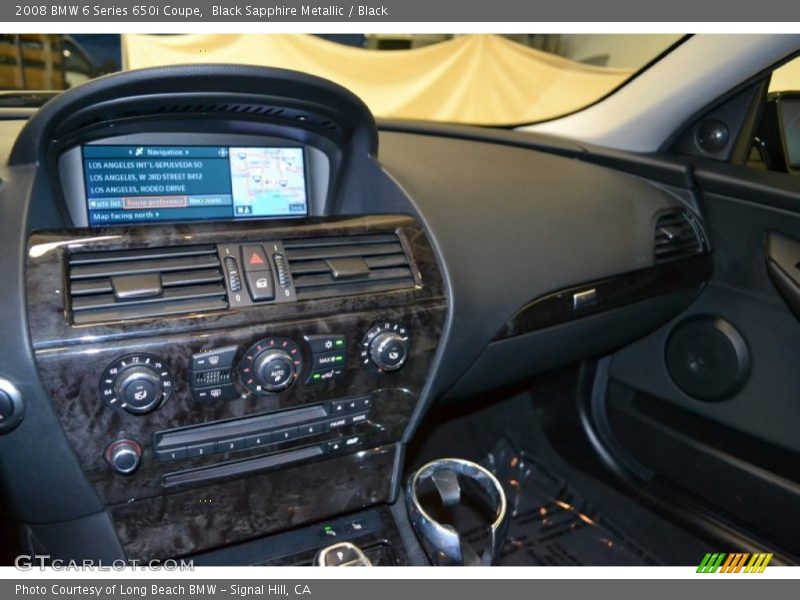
{"points": [[120, 285], [677, 236], [332, 266]]}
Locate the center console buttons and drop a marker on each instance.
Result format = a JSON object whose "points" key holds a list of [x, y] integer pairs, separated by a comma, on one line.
{"points": [[328, 356], [211, 374]]}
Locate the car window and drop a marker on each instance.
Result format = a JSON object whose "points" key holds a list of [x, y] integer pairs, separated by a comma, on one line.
{"points": [[496, 80], [776, 145], [786, 78]]}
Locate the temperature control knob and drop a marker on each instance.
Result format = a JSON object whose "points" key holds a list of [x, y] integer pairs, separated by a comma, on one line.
{"points": [[139, 388], [385, 347], [271, 365], [137, 384], [274, 370], [124, 456]]}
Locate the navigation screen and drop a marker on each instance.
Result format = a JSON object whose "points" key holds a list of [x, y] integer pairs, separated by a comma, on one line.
{"points": [[151, 184]]}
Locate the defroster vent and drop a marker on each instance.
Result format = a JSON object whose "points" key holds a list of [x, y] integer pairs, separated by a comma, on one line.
{"points": [[120, 285], [325, 267], [677, 236]]}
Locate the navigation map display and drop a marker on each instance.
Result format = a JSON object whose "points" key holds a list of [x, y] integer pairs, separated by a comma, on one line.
{"points": [[151, 184]]}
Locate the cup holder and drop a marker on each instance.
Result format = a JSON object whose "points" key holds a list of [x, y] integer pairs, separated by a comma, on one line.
{"points": [[450, 500]]}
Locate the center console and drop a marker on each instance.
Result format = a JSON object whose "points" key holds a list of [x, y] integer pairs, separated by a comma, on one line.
{"points": [[229, 353], [209, 420]]}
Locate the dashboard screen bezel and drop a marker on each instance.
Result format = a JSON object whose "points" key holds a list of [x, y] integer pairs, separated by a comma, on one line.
{"points": [[71, 172]]}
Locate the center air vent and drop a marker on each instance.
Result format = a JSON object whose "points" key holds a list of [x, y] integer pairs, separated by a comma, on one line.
{"points": [[325, 267], [120, 285], [677, 236]]}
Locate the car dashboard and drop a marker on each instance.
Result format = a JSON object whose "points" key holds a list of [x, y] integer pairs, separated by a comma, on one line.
{"points": [[231, 300]]}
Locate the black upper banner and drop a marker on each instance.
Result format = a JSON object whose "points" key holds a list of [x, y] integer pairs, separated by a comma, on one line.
{"points": [[394, 11]]}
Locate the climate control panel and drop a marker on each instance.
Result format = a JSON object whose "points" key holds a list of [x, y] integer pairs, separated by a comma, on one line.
{"points": [[140, 383]]}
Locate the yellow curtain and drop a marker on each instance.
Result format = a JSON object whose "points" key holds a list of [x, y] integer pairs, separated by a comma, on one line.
{"points": [[482, 79], [786, 78]]}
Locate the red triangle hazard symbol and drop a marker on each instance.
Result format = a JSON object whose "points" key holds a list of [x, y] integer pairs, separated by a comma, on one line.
{"points": [[255, 259]]}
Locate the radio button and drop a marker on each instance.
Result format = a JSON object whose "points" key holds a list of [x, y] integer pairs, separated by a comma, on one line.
{"points": [[358, 418], [353, 441], [259, 439], [336, 423], [309, 429], [196, 450], [284, 435], [349, 405], [171, 453], [335, 446], [230, 445]]}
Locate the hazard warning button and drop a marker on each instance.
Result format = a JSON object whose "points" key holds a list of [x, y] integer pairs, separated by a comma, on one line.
{"points": [[254, 258]]}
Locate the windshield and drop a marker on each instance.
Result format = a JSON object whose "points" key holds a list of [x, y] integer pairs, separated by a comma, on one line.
{"points": [[496, 80]]}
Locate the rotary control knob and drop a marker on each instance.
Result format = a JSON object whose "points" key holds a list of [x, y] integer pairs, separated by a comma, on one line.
{"points": [[137, 384], [274, 370], [139, 388], [124, 456], [271, 365], [385, 348]]}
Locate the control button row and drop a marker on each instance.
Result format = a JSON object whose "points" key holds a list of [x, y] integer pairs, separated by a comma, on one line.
{"points": [[355, 526], [211, 376], [328, 357], [260, 439], [349, 405]]}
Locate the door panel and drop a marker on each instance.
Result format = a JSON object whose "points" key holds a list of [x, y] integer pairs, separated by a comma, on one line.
{"points": [[739, 454]]}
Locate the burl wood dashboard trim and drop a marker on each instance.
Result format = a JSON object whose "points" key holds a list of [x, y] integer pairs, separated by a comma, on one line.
{"points": [[153, 521]]}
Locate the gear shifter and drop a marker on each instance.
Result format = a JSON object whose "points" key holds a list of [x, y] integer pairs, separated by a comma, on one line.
{"points": [[343, 554], [460, 484]]}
